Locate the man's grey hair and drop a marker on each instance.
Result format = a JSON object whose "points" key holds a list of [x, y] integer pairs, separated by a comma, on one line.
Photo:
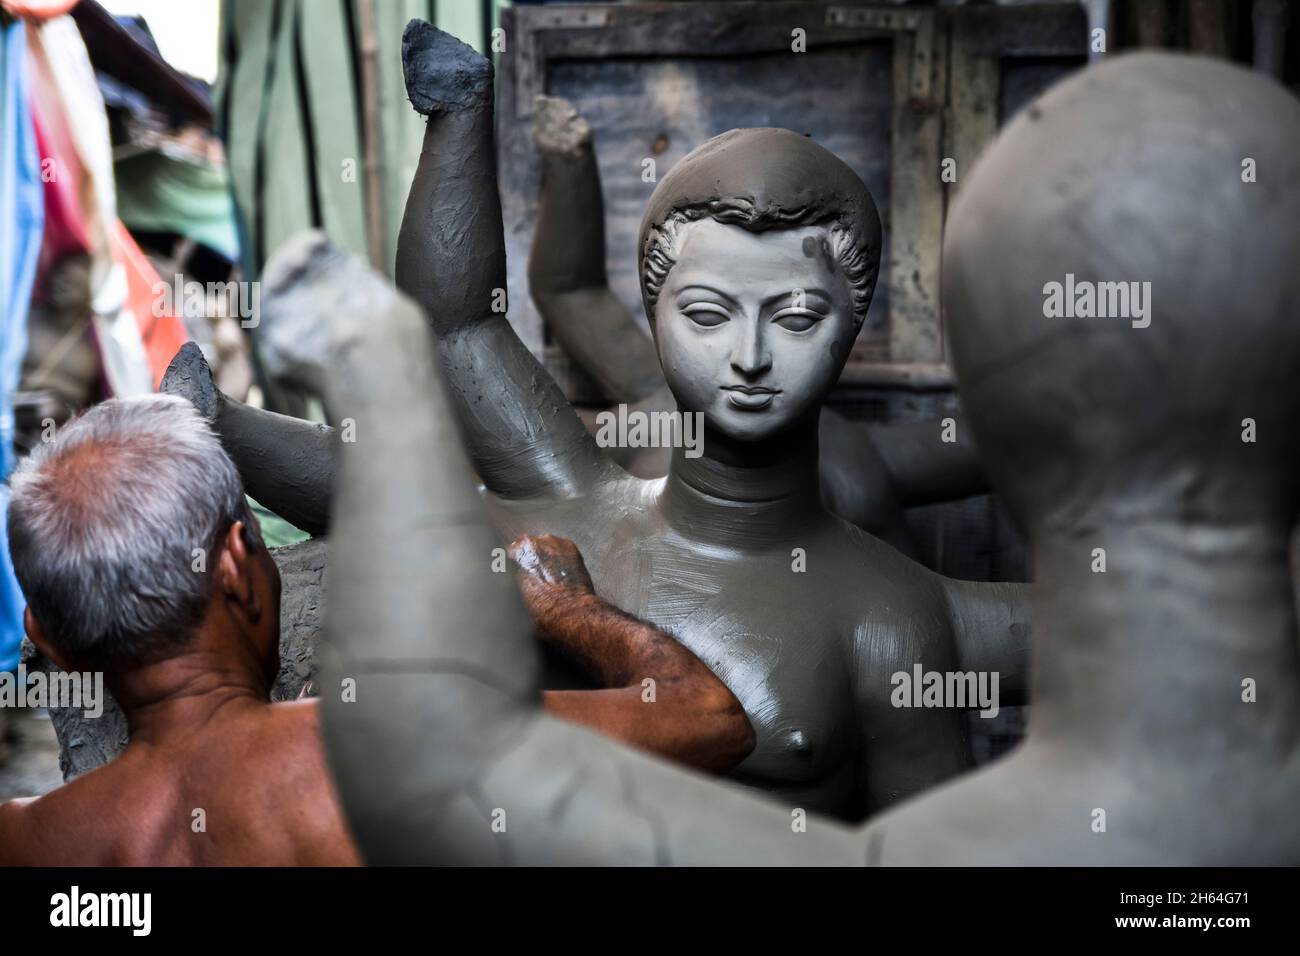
{"points": [[104, 523]]}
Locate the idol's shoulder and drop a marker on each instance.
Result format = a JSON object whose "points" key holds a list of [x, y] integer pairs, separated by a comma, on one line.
{"points": [[610, 507], [896, 601], [867, 554]]}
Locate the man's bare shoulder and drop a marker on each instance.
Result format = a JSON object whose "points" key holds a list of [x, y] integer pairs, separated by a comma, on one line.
{"points": [[292, 724], [292, 781], [14, 824], [26, 824], [293, 752], [86, 822], [252, 789]]}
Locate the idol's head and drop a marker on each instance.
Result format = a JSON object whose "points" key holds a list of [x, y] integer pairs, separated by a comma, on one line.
{"points": [[759, 255]]}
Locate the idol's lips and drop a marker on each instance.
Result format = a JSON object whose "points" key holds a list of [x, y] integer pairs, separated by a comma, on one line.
{"points": [[751, 398]]}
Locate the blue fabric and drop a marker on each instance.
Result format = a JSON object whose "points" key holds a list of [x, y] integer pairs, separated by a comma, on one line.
{"points": [[12, 601], [22, 218]]}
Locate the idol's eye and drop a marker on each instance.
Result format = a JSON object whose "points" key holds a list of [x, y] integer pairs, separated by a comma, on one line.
{"points": [[707, 315], [797, 320]]}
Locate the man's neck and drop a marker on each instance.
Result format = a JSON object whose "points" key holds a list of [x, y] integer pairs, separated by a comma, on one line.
{"points": [[175, 697], [1159, 655], [739, 492]]}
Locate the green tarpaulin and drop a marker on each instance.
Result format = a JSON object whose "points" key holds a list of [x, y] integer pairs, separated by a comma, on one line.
{"points": [[159, 193]]}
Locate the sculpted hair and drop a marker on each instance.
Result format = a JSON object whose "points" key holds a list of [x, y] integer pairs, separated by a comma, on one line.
{"points": [[103, 523], [663, 245]]}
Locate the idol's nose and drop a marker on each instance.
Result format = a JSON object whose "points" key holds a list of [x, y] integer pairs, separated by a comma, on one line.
{"points": [[751, 357]]}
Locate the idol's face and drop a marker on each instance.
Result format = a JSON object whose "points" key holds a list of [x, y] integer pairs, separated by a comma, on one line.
{"points": [[753, 329]]}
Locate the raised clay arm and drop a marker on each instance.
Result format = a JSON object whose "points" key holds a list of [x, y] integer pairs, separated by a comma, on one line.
{"points": [[654, 693], [925, 469], [524, 438], [992, 623], [286, 463], [432, 719], [566, 267]]}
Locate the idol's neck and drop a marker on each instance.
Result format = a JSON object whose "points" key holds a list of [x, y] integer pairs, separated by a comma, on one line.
{"points": [[745, 493], [1154, 655]]}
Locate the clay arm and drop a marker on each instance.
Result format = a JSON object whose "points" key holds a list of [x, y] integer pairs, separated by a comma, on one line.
{"points": [[924, 468], [432, 721], [566, 267], [286, 463], [655, 693], [992, 624], [524, 438]]}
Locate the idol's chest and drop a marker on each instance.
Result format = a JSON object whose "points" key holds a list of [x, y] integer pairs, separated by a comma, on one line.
{"points": [[793, 684], [771, 635], [775, 623]]}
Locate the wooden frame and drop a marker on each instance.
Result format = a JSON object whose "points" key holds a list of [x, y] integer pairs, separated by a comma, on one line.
{"points": [[946, 88]]}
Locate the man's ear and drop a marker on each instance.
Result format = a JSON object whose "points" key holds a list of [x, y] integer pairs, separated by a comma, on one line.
{"points": [[36, 634], [234, 568]]}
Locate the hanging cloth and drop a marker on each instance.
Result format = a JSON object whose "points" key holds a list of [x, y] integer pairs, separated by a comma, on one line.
{"points": [[21, 221], [74, 125]]}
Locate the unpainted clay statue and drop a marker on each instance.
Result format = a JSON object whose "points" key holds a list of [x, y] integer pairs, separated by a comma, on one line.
{"points": [[869, 473], [1166, 726], [803, 616], [806, 619]]}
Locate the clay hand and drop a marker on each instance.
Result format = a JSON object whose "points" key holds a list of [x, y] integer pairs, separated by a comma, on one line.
{"points": [[443, 75], [190, 377], [557, 127], [301, 342], [550, 561]]}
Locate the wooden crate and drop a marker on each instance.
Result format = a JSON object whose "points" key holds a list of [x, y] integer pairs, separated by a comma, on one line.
{"points": [[892, 91]]}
